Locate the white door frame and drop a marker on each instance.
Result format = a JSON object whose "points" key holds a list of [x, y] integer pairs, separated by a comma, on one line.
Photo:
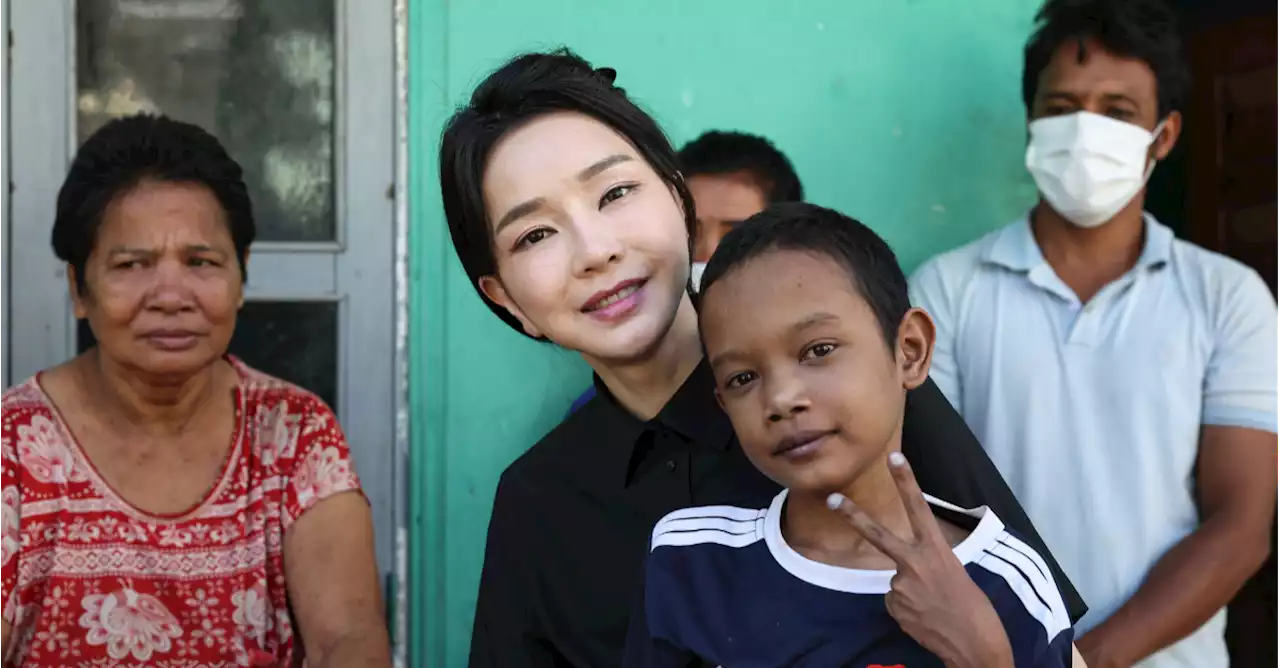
{"points": [[356, 270], [6, 285]]}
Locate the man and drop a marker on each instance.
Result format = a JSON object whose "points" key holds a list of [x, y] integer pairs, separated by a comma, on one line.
{"points": [[1122, 380], [732, 176]]}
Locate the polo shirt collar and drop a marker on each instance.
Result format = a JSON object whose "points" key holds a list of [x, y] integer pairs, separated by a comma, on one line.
{"points": [[1015, 247], [692, 412]]}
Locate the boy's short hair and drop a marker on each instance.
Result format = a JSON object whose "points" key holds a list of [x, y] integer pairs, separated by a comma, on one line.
{"points": [[797, 226], [719, 152]]}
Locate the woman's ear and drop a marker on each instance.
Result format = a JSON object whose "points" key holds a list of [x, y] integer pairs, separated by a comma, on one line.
{"points": [[77, 297], [244, 273], [491, 287], [916, 335]]}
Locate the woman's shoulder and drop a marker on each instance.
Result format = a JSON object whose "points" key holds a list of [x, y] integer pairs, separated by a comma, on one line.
{"points": [[31, 437], [284, 422], [263, 390], [24, 403]]}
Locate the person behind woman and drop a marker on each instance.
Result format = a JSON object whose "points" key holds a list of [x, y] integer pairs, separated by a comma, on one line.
{"points": [[572, 220], [164, 504]]}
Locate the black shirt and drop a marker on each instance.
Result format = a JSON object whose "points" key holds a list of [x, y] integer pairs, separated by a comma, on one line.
{"points": [[572, 516]]}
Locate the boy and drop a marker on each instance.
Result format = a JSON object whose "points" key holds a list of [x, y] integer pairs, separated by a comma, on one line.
{"points": [[813, 343]]}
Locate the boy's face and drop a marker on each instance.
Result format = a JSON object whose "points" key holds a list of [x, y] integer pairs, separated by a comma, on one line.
{"points": [[802, 368]]}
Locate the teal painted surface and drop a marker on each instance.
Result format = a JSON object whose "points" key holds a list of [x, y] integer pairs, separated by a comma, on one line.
{"points": [[903, 113]]}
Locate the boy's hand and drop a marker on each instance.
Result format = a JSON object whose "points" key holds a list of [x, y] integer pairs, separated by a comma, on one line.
{"points": [[932, 598]]}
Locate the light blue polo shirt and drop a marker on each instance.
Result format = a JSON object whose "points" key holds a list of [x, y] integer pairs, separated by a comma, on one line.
{"points": [[1093, 412]]}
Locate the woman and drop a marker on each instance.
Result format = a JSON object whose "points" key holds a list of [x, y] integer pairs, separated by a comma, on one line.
{"points": [[572, 221], [164, 504]]}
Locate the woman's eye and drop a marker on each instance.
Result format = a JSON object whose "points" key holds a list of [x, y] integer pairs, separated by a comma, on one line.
{"points": [[533, 237], [819, 350], [739, 379], [127, 264], [616, 193]]}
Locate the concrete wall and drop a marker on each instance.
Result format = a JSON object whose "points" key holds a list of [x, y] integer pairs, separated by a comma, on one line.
{"points": [[903, 113]]}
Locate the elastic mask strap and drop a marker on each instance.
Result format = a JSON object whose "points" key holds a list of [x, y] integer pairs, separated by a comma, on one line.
{"points": [[1155, 136]]}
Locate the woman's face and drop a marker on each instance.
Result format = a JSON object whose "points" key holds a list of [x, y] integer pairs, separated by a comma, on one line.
{"points": [[591, 246], [162, 285]]}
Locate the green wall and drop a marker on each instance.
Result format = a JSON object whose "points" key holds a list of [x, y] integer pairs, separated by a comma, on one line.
{"points": [[903, 113]]}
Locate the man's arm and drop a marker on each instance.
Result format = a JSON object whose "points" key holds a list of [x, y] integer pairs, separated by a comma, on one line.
{"points": [[1236, 486], [504, 633], [332, 577], [1235, 483]]}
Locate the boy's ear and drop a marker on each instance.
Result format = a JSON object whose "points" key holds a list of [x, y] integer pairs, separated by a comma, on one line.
{"points": [[916, 335]]}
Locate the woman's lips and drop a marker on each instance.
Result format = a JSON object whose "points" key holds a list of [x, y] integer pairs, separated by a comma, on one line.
{"points": [[172, 340], [619, 303]]}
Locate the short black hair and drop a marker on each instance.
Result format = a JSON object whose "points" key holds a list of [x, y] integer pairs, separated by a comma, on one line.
{"points": [[720, 152], [1142, 29], [529, 86], [798, 226], [127, 151]]}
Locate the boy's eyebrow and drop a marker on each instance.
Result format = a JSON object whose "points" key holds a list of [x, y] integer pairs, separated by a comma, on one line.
{"points": [[813, 319], [718, 360]]}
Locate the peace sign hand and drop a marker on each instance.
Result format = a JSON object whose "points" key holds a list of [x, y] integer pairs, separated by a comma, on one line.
{"points": [[932, 597]]}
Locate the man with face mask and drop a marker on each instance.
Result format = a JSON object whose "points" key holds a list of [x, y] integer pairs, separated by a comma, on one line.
{"points": [[1123, 381]]}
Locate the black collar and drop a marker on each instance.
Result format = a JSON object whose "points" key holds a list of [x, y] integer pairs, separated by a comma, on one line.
{"points": [[692, 412]]}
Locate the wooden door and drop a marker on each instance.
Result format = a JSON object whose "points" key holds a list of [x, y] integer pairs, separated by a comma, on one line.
{"points": [[1231, 132], [1231, 208]]}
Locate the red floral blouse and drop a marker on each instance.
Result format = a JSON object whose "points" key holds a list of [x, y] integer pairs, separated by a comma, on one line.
{"points": [[89, 580]]}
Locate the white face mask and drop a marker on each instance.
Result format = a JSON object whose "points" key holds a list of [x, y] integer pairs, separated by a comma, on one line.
{"points": [[696, 274], [1088, 166]]}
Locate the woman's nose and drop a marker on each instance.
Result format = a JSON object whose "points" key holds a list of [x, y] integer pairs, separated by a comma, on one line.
{"points": [[598, 246], [169, 291]]}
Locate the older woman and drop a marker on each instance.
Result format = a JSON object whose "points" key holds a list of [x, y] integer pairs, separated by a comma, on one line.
{"points": [[164, 504]]}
